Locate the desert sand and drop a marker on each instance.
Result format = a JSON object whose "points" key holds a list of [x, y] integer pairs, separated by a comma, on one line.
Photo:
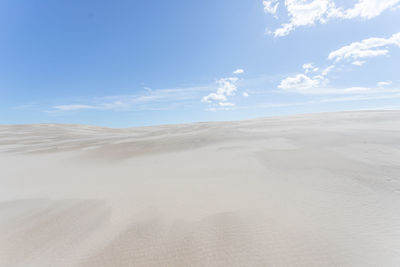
{"points": [[306, 190]]}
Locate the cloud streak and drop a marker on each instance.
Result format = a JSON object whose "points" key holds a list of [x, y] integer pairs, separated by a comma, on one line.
{"points": [[159, 99]]}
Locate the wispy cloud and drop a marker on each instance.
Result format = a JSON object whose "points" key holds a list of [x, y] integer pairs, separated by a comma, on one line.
{"points": [[370, 47], [158, 99], [361, 97], [302, 84]]}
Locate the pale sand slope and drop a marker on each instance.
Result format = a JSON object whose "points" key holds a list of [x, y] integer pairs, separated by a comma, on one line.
{"points": [[309, 190]]}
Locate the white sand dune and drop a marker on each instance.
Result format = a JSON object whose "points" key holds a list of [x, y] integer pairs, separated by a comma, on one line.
{"points": [[309, 190]]}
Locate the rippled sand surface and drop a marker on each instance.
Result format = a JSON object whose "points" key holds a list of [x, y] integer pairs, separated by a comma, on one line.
{"points": [[307, 190]]}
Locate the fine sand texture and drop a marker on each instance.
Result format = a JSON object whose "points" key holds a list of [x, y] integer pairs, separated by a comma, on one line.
{"points": [[307, 190]]}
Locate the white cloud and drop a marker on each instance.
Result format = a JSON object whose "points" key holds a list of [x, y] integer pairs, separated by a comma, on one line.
{"points": [[367, 9], [303, 13], [327, 70], [226, 87], [309, 67], [238, 71], [370, 47], [285, 30], [309, 12], [300, 83], [303, 82], [245, 94], [213, 97], [384, 83], [358, 62], [270, 6]]}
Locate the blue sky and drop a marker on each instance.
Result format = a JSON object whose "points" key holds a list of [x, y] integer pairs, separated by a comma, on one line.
{"points": [[133, 63]]}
